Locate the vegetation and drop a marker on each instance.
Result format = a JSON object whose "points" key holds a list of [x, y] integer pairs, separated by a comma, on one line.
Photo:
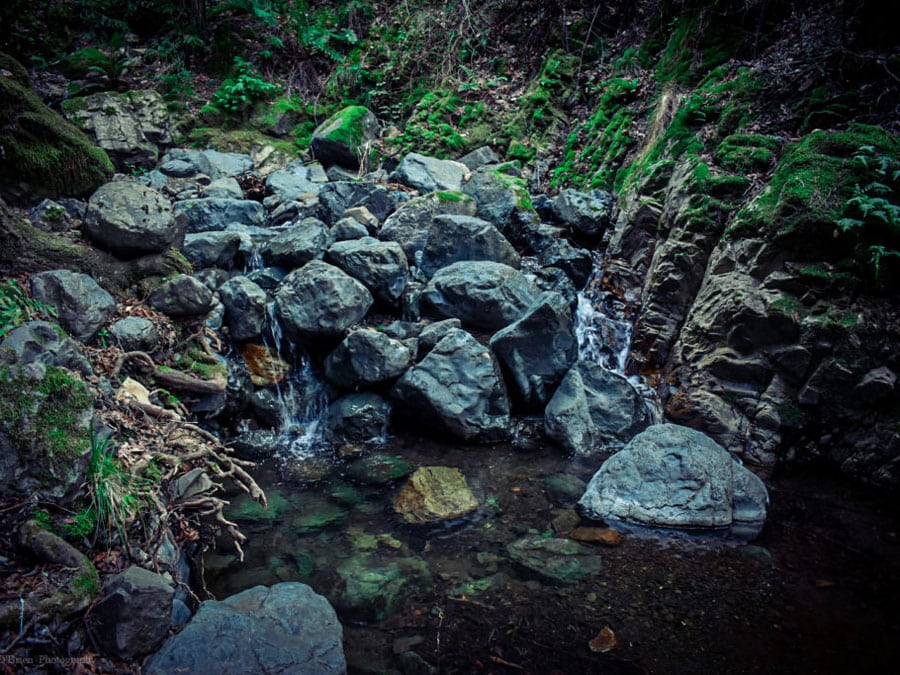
{"points": [[16, 307]]}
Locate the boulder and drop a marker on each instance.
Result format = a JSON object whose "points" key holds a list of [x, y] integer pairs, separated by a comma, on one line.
{"points": [[434, 493], [336, 197], [427, 174], [207, 213], [369, 588], [41, 342], [320, 300], [133, 614], [670, 476], [297, 245], [356, 418], [481, 294], [285, 628], [289, 184], [82, 306], [410, 224], [479, 157], [347, 228], [590, 213], [227, 163], [594, 409], [211, 249], [131, 126], [226, 187], [364, 358], [456, 387], [537, 350], [130, 219], [557, 561], [343, 138], [134, 333], [577, 263], [500, 195], [380, 265], [183, 295], [456, 238], [245, 308], [185, 163]]}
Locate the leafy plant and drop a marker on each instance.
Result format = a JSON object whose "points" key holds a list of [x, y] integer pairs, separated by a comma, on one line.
{"points": [[247, 87], [115, 493], [16, 307]]}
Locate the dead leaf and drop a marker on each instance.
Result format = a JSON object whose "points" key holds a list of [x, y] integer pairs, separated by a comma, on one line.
{"points": [[604, 642]]}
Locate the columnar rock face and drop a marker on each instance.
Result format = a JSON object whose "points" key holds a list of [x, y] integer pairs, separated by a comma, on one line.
{"points": [[285, 628], [128, 218], [83, 307], [458, 386], [675, 477]]}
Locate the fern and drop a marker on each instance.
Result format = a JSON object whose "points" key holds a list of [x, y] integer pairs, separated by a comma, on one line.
{"points": [[16, 307]]}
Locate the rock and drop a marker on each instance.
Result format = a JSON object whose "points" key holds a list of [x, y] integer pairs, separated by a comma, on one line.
{"points": [[577, 263], [501, 198], [368, 589], [479, 157], [347, 229], [435, 493], [131, 126], [588, 212], [206, 214], [410, 224], [364, 217], [265, 365], [246, 310], [285, 628], [364, 358], [482, 294], [380, 265], [457, 387], [876, 386], [594, 409], [537, 350], [674, 477], [50, 216], [336, 197], [255, 445], [43, 154], [432, 333], [82, 306], [378, 469], [211, 249], [183, 295], [555, 560], [189, 163], [226, 187], [455, 238], [356, 418], [297, 245], [134, 333], [344, 137], [130, 219], [291, 184], [228, 163], [133, 614], [320, 300], [597, 535], [41, 342], [427, 174], [564, 489]]}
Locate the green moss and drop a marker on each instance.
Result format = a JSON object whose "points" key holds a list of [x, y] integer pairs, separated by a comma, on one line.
{"points": [[748, 153], [84, 61], [452, 196]]}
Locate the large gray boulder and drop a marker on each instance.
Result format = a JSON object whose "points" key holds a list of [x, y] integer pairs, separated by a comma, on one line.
{"points": [[211, 249], [41, 342], [482, 294], [380, 265], [291, 184], [536, 351], [228, 163], [427, 174], [336, 197], [670, 476], [287, 628], [500, 194], [297, 245], [356, 418], [455, 238], [366, 357], [82, 306], [181, 296], [594, 409], [587, 212], [456, 387], [134, 333], [320, 300], [208, 214], [245, 308], [128, 218], [133, 614], [410, 224]]}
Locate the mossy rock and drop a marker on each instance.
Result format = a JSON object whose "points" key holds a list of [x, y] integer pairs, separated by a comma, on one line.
{"points": [[748, 153], [44, 155], [343, 138], [378, 469]]}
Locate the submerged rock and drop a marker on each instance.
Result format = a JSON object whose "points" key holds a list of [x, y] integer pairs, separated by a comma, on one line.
{"points": [[675, 477], [555, 560], [369, 589], [435, 493]]}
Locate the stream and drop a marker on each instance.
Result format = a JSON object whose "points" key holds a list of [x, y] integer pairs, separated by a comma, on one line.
{"points": [[817, 591]]}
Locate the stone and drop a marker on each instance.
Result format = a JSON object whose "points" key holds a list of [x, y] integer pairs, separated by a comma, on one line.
{"points": [[876, 386], [320, 300], [597, 535], [246, 310], [285, 628], [577, 263], [670, 476], [378, 469], [370, 589], [347, 229], [226, 187], [336, 197], [211, 249], [427, 174], [82, 306], [366, 357], [297, 244], [50, 216], [133, 614], [265, 365], [536, 351], [457, 387], [434, 493], [356, 418], [343, 138], [455, 238], [554, 560], [500, 196], [481, 294], [594, 409], [380, 265], [181, 296], [206, 214], [227, 163], [289, 184], [134, 333], [590, 213], [41, 342], [410, 224], [479, 157]]}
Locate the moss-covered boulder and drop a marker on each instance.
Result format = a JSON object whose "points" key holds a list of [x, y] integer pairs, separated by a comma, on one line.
{"points": [[343, 138], [43, 154]]}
